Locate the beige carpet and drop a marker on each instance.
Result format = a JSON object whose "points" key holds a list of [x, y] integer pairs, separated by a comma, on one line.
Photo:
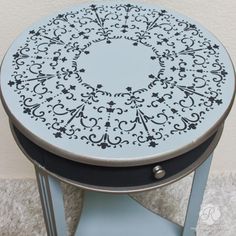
{"points": [[21, 215]]}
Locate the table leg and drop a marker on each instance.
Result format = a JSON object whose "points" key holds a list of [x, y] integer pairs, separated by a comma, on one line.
{"points": [[52, 203], [196, 197], [106, 214], [118, 214]]}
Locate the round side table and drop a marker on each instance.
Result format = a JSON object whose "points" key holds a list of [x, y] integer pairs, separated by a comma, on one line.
{"points": [[117, 97]]}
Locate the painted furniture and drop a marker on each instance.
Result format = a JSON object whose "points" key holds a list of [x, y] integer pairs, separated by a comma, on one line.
{"points": [[115, 98]]}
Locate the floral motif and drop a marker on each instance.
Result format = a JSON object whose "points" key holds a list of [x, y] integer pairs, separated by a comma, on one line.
{"points": [[168, 105]]}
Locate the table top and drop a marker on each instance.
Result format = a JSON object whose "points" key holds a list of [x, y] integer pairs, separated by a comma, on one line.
{"points": [[117, 84]]}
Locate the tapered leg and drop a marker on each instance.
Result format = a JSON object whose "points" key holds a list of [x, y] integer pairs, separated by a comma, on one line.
{"points": [[196, 197], [52, 203]]}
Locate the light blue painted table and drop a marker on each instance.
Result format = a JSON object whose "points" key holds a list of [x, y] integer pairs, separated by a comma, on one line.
{"points": [[135, 95]]}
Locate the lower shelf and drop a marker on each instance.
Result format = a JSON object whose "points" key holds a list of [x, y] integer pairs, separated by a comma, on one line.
{"points": [[116, 215]]}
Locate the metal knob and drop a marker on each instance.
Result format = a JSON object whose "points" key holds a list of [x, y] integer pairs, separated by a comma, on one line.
{"points": [[158, 172]]}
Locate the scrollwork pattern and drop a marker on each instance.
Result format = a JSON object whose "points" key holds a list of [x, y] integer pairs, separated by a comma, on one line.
{"points": [[56, 94]]}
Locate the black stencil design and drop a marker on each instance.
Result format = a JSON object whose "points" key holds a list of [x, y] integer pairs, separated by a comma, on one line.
{"points": [[50, 82]]}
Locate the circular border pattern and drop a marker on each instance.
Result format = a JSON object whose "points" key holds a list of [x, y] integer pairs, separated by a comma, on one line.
{"points": [[179, 100]]}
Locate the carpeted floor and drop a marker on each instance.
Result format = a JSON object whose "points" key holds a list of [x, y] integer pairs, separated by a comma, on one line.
{"points": [[21, 215]]}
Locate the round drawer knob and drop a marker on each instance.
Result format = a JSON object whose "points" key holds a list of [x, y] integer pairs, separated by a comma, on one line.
{"points": [[158, 172]]}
